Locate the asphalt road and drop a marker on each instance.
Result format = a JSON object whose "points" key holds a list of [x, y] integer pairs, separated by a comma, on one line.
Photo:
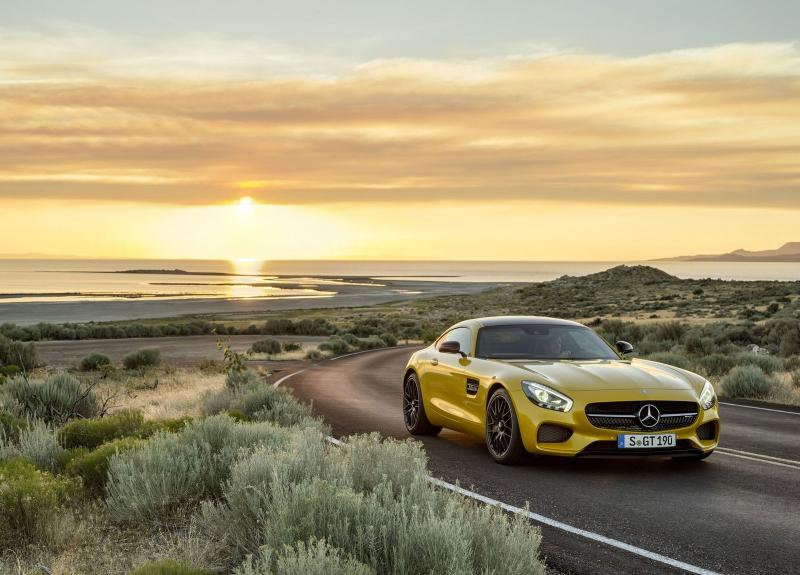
{"points": [[736, 512]]}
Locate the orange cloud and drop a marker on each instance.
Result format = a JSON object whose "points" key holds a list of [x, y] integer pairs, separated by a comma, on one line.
{"points": [[711, 127]]}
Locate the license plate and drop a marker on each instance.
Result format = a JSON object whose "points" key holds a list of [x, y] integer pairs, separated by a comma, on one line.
{"points": [[627, 441]]}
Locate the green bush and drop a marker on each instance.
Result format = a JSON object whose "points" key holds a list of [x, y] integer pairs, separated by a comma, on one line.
{"points": [[291, 346], [57, 399], [748, 381], [40, 445], [94, 432], [18, 354], [336, 345], [11, 425], [316, 558], [169, 474], [268, 345], [267, 403], [389, 340], [242, 379], [392, 523], [168, 567], [767, 363], [143, 358], [28, 500], [94, 361], [92, 466], [371, 342], [315, 354], [716, 364]]}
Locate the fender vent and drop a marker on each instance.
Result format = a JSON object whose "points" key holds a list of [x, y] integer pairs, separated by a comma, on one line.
{"points": [[549, 433]]}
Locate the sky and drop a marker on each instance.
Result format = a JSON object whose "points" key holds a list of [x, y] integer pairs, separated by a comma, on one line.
{"points": [[617, 130]]}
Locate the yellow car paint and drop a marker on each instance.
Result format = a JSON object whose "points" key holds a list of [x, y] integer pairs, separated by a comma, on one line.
{"points": [[444, 379]]}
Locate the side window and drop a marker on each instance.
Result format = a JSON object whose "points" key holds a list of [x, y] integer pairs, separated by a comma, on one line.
{"points": [[462, 335]]}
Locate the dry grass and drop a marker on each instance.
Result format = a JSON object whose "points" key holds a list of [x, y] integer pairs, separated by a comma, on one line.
{"points": [[165, 393]]}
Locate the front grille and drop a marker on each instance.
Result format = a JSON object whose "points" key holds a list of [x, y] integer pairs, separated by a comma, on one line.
{"points": [[549, 433], [623, 415], [610, 449]]}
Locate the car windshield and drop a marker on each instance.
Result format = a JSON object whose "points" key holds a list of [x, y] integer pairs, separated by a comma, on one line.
{"points": [[541, 342]]}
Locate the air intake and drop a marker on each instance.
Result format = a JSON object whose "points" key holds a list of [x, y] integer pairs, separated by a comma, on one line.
{"points": [[707, 431], [549, 433]]}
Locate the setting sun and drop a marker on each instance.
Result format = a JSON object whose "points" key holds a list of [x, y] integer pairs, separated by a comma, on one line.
{"points": [[245, 206]]}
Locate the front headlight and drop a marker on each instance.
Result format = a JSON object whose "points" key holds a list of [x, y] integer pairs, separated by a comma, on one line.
{"points": [[545, 397], [707, 397]]}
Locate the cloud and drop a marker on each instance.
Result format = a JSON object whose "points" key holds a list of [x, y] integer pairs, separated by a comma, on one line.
{"points": [[198, 121]]}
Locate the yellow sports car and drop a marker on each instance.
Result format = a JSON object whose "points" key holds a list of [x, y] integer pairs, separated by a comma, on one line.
{"points": [[550, 386]]}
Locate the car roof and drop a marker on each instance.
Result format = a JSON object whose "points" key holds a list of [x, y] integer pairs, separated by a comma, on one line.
{"points": [[515, 320]]}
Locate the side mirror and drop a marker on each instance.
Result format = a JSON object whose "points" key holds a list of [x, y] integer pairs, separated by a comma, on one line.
{"points": [[624, 348], [451, 347]]}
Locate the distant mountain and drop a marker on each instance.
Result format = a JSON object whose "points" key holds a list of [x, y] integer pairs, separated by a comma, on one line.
{"points": [[788, 252]]}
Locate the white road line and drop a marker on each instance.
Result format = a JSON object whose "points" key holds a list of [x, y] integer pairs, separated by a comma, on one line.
{"points": [[796, 467], [365, 351], [285, 377], [760, 408], [761, 455], [574, 530]]}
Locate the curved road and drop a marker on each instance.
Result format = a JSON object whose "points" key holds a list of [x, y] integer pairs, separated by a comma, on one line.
{"points": [[736, 512]]}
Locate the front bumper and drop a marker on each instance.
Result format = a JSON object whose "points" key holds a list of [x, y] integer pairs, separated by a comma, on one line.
{"points": [[586, 439]]}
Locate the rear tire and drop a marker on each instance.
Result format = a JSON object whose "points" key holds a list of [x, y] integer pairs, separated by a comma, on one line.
{"points": [[503, 439], [414, 409]]}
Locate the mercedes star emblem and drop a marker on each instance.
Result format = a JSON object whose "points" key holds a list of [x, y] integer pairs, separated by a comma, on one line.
{"points": [[649, 416]]}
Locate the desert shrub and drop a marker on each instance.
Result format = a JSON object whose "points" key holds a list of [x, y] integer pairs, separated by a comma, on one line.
{"points": [[367, 461], [400, 524], [242, 379], [216, 402], [156, 483], [389, 340], [335, 345], [56, 399], [716, 364], [40, 445], [670, 358], [16, 353], [94, 361], [170, 473], [371, 342], [267, 403], [767, 363], [268, 345], [11, 425], [143, 358], [28, 499], [210, 366], [168, 567], [292, 346], [670, 331], [315, 354], [92, 466], [350, 339], [94, 432], [748, 381], [315, 558]]}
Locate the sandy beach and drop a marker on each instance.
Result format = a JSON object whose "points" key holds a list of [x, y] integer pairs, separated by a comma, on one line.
{"points": [[346, 295]]}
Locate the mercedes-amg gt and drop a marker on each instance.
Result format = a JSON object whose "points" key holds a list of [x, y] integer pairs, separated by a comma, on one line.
{"points": [[549, 386]]}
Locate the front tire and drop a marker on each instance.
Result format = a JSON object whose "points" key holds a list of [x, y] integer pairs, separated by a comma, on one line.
{"points": [[503, 438], [414, 409]]}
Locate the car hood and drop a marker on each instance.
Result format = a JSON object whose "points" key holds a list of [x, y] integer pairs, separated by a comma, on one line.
{"points": [[607, 374]]}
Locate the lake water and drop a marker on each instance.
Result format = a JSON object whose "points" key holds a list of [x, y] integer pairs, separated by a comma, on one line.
{"points": [[74, 279]]}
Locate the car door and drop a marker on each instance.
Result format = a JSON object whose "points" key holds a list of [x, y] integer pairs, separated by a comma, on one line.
{"points": [[447, 379]]}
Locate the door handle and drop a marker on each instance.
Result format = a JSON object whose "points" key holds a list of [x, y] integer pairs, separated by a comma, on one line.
{"points": [[434, 361]]}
